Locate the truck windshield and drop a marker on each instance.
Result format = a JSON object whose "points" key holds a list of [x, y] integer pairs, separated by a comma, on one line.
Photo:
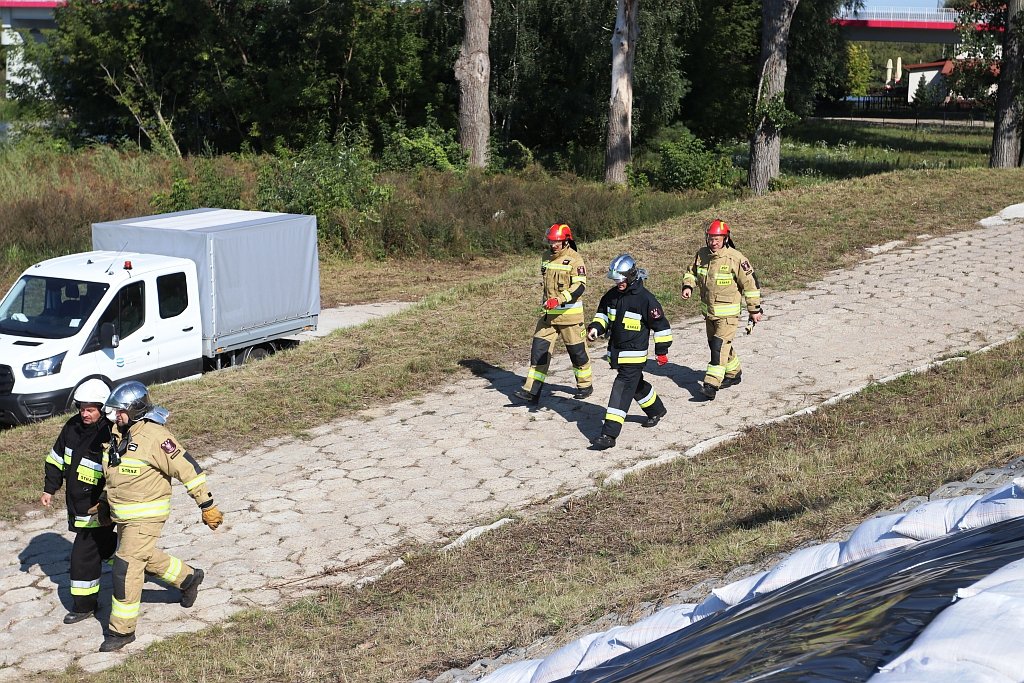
{"points": [[48, 307]]}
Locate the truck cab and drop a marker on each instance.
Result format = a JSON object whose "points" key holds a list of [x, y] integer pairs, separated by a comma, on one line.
{"points": [[100, 314]]}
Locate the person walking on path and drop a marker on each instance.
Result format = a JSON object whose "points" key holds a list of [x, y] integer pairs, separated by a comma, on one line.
{"points": [[564, 280], [139, 463], [627, 315], [725, 278], [75, 462]]}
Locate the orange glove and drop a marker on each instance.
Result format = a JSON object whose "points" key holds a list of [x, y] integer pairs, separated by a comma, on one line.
{"points": [[662, 359], [551, 303], [212, 517]]}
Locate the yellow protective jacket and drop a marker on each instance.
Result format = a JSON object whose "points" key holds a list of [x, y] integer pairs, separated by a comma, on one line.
{"points": [[565, 279], [725, 278], [138, 468]]}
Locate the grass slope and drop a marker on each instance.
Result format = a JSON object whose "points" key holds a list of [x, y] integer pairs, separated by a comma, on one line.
{"points": [[792, 237]]}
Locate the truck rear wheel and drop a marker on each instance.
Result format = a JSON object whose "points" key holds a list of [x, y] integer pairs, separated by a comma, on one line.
{"points": [[255, 353]]}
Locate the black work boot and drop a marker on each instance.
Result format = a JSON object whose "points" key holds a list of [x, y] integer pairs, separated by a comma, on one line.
{"points": [[115, 641], [653, 420], [523, 394], [732, 381], [190, 588], [75, 617], [603, 442], [582, 393], [709, 390]]}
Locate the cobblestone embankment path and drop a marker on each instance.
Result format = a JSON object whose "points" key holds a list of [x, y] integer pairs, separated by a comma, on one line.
{"points": [[339, 505]]}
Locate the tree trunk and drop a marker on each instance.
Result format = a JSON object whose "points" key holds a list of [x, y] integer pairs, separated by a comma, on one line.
{"points": [[1006, 144], [473, 72], [765, 145], [620, 106]]}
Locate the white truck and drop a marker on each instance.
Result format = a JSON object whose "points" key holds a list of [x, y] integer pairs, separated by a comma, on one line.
{"points": [[161, 298]]}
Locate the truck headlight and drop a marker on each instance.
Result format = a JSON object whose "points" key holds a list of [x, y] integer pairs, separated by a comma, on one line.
{"points": [[46, 366]]}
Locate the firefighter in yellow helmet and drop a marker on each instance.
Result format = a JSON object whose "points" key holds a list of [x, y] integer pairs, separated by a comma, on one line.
{"points": [[564, 278], [725, 278], [139, 463]]}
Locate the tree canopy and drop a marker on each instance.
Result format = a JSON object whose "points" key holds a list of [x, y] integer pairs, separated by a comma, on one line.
{"points": [[193, 76]]}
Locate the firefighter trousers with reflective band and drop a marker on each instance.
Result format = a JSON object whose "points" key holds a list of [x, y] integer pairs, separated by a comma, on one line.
{"points": [[629, 386], [574, 337], [724, 361], [91, 547], [137, 555]]}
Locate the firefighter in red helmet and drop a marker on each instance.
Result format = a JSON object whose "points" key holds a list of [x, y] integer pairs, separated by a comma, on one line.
{"points": [[564, 278], [725, 278]]}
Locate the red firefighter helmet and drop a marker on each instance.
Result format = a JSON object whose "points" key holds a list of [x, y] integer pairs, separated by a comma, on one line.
{"points": [[718, 227], [559, 232]]}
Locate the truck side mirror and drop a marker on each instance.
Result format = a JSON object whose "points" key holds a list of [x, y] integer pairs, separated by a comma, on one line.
{"points": [[108, 339]]}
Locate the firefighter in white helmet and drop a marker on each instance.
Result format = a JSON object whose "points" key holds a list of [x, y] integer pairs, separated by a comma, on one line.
{"points": [[75, 462]]}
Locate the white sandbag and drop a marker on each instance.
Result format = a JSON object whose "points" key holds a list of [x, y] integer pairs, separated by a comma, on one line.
{"points": [[563, 661], [603, 649], [738, 591], [872, 537], [516, 672], [711, 605], [939, 671], [1008, 589], [986, 629], [1014, 571], [1003, 503], [802, 563], [934, 518], [667, 620]]}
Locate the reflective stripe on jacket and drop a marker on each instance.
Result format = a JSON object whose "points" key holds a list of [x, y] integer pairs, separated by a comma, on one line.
{"points": [[565, 279], [627, 319], [74, 462], [724, 279], [139, 474]]}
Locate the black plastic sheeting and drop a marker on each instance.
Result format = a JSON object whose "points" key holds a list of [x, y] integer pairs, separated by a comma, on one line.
{"points": [[838, 625]]}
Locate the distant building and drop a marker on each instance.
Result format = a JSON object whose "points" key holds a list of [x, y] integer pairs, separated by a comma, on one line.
{"points": [[18, 17], [932, 73]]}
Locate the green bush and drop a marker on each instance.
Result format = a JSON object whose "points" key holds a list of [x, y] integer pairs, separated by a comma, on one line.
{"points": [[208, 184], [685, 164], [336, 183], [428, 146], [510, 156]]}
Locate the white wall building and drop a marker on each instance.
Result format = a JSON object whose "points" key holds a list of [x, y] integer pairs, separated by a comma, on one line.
{"points": [[18, 18], [931, 73]]}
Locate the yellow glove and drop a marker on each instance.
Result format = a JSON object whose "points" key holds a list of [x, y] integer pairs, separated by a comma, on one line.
{"points": [[212, 517]]}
